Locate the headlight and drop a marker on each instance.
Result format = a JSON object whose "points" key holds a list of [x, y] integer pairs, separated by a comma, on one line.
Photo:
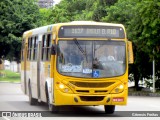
{"points": [[63, 87], [121, 87], [118, 89]]}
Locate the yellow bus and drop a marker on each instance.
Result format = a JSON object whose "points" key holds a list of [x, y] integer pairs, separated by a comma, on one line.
{"points": [[76, 63]]}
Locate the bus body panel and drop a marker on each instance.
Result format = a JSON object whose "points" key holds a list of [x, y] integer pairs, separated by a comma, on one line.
{"points": [[33, 78]]}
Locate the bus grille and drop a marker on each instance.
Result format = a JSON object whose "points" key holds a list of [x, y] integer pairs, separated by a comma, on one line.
{"points": [[92, 84], [91, 98]]}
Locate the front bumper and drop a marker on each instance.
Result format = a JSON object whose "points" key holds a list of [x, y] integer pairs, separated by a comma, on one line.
{"points": [[61, 98]]}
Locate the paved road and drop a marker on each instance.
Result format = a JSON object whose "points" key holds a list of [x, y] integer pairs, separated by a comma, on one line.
{"points": [[12, 99]]}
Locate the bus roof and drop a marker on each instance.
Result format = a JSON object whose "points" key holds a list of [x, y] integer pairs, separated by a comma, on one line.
{"points": [[49, 28]]}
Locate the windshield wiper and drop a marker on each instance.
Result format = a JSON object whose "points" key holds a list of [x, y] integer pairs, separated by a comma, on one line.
{"points": [[80, 48]]}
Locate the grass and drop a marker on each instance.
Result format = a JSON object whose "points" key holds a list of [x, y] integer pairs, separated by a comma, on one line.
{"points": [[9, 76]]}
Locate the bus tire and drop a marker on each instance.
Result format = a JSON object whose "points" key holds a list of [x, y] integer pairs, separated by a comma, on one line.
{"points": [[109, 109], [52, 108], [32, 101]]}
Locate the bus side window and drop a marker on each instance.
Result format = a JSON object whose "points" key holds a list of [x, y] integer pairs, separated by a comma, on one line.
{"points": [[35, 45], [22, 50], [30, 52], [32, 48], [43, 47], [29, 48], [48, 47]]}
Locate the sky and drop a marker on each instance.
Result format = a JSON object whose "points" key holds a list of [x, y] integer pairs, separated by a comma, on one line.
{"points": [[57, 1]]}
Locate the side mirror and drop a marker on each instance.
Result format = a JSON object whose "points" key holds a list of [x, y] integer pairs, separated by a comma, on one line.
{"points": [[53, 49], [130, 53]]}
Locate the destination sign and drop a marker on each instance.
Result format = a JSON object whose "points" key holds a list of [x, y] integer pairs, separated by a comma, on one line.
{"points": [[91, 31]]}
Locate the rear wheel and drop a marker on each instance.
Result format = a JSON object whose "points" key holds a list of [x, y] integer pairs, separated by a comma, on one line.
{"points": [[32, 101], [109, 109]]}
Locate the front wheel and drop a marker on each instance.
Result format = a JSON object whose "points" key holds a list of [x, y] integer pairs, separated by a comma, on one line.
{"points": [[52, 108], [109, 109]]}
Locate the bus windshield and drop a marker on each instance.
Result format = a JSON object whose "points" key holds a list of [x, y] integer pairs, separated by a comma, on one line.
{"points": [[91, 58]]}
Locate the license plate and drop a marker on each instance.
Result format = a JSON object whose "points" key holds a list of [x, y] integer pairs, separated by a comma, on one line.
{"points": [[118, 99]]}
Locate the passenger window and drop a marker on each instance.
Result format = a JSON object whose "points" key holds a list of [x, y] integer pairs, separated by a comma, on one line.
{"points": [[22, 50], [29, 49], [35, 46], [46, 47], [43, 47]]}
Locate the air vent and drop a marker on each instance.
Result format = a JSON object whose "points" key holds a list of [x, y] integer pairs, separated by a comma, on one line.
{"points": [[100, 91], [91, 98], [83, 91], [92, 84]]}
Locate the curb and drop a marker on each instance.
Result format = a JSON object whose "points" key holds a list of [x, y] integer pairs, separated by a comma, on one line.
{"points": [[144, 94]]}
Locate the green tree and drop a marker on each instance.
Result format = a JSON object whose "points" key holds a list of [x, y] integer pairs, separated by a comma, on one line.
{"points": [[142, 20], [148, 28], [71, 10], [44, 16], [66, 10], [146, 23], [16, 16]]}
